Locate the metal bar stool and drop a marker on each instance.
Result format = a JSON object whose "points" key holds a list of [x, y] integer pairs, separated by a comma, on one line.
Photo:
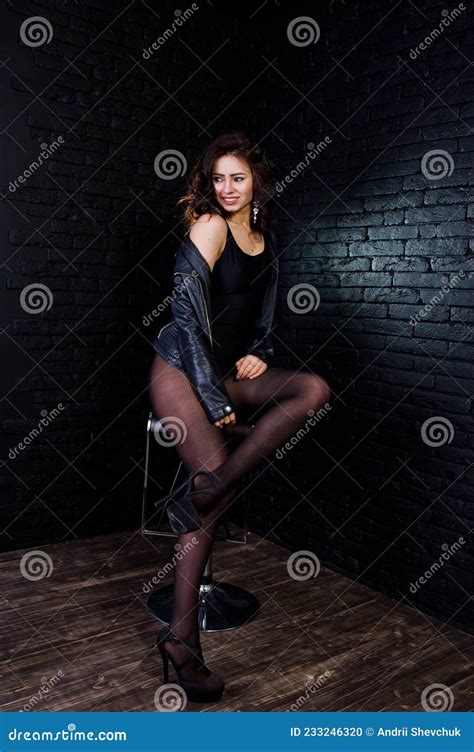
{"points": [[221, 605]]}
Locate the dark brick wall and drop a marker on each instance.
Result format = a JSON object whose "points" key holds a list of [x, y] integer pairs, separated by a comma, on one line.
{"points": [[364, 226], [97, 227], [378, 237]]}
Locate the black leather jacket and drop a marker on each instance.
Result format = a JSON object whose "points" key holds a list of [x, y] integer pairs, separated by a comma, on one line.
{"points": [[186, 342]]}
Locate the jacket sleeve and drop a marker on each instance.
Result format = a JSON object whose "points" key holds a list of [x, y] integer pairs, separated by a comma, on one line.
{"points": [[263, 347], [195, 347]]}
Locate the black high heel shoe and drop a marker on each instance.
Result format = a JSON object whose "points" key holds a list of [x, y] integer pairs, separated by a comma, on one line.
{"points": [[208, 689], [182, 513]]}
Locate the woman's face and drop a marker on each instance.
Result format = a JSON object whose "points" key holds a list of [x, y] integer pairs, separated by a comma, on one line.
{"points": [[233, 183]]}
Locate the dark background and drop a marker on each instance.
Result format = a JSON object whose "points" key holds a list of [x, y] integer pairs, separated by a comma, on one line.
{"points": [[363, 225]]}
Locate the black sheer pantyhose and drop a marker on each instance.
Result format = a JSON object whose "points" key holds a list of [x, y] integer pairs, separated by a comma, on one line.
{"points": [[286, 396]]}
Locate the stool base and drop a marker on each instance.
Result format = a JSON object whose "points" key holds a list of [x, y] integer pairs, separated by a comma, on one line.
{"points": [[221, 606]]}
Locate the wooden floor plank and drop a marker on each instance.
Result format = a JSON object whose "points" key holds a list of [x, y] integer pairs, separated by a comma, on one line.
{"points": [[323, 644]]}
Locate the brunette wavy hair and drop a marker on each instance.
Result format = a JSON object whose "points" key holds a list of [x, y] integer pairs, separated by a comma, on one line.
{"points": [[200, 196]]}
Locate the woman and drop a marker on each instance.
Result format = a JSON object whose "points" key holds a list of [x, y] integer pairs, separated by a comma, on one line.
{"points": [[213, 362]]}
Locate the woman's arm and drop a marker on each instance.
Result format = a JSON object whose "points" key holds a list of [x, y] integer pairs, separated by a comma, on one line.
{"points": [[209, 234], [193, 341]]}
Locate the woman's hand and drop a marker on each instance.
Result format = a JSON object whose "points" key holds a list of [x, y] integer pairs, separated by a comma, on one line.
{"points": [[249, 367], [227, 419]]}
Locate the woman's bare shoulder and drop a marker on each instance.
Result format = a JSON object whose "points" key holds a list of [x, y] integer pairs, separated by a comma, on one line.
{"points": [[209, 234]]}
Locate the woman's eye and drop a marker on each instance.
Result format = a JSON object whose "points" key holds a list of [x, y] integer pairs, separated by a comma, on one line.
{"points": [[238, 179]]}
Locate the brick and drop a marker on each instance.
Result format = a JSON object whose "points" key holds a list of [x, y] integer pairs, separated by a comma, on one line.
{"points": [[376, 248], [368, 279], [392, 233], [435, 247]]}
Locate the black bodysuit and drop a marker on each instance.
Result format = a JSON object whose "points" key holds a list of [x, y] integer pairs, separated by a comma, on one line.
{"points": [[238, 283]]}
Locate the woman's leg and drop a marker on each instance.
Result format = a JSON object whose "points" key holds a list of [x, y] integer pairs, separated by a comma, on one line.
{"points": [[288, 395], [202, 448]]}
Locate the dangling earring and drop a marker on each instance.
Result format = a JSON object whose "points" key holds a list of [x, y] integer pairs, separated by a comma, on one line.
{"points": [[256, 209]]}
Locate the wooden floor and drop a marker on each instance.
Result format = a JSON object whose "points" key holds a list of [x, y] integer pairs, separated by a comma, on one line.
{"points": [[326, 643]]}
